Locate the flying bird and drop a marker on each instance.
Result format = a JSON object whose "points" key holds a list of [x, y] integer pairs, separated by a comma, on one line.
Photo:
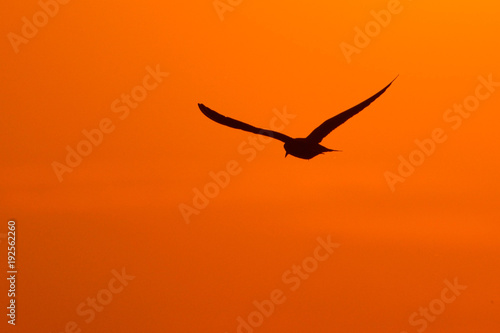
{"points": [[305, 148]]}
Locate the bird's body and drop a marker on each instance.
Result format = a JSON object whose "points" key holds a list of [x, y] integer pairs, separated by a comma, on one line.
{"points": [[305, 148]]}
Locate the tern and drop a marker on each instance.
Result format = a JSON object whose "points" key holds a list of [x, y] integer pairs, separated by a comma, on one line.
{"points": [[305, 148]]}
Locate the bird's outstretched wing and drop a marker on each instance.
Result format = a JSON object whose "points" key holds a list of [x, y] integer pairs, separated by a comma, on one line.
{"points": [[329, 125], [218, 118]]}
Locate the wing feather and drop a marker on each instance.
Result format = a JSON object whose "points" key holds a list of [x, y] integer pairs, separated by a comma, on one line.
{"points": [[230, 122], [329, 125]]}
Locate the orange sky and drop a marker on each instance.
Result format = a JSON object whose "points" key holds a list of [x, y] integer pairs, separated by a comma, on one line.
{"points": [[127, 76]]}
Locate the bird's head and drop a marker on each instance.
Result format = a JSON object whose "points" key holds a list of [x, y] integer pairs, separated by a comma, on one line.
{"points": [[286, 145]]}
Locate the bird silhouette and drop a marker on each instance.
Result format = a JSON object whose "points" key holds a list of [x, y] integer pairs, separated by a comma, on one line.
{"points": [[305, 148]]}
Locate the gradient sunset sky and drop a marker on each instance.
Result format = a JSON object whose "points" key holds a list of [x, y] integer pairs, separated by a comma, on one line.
{"points": [[110, 169]]}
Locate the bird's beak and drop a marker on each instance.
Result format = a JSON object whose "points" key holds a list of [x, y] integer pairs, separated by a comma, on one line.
{"points": [[286, 154]]}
